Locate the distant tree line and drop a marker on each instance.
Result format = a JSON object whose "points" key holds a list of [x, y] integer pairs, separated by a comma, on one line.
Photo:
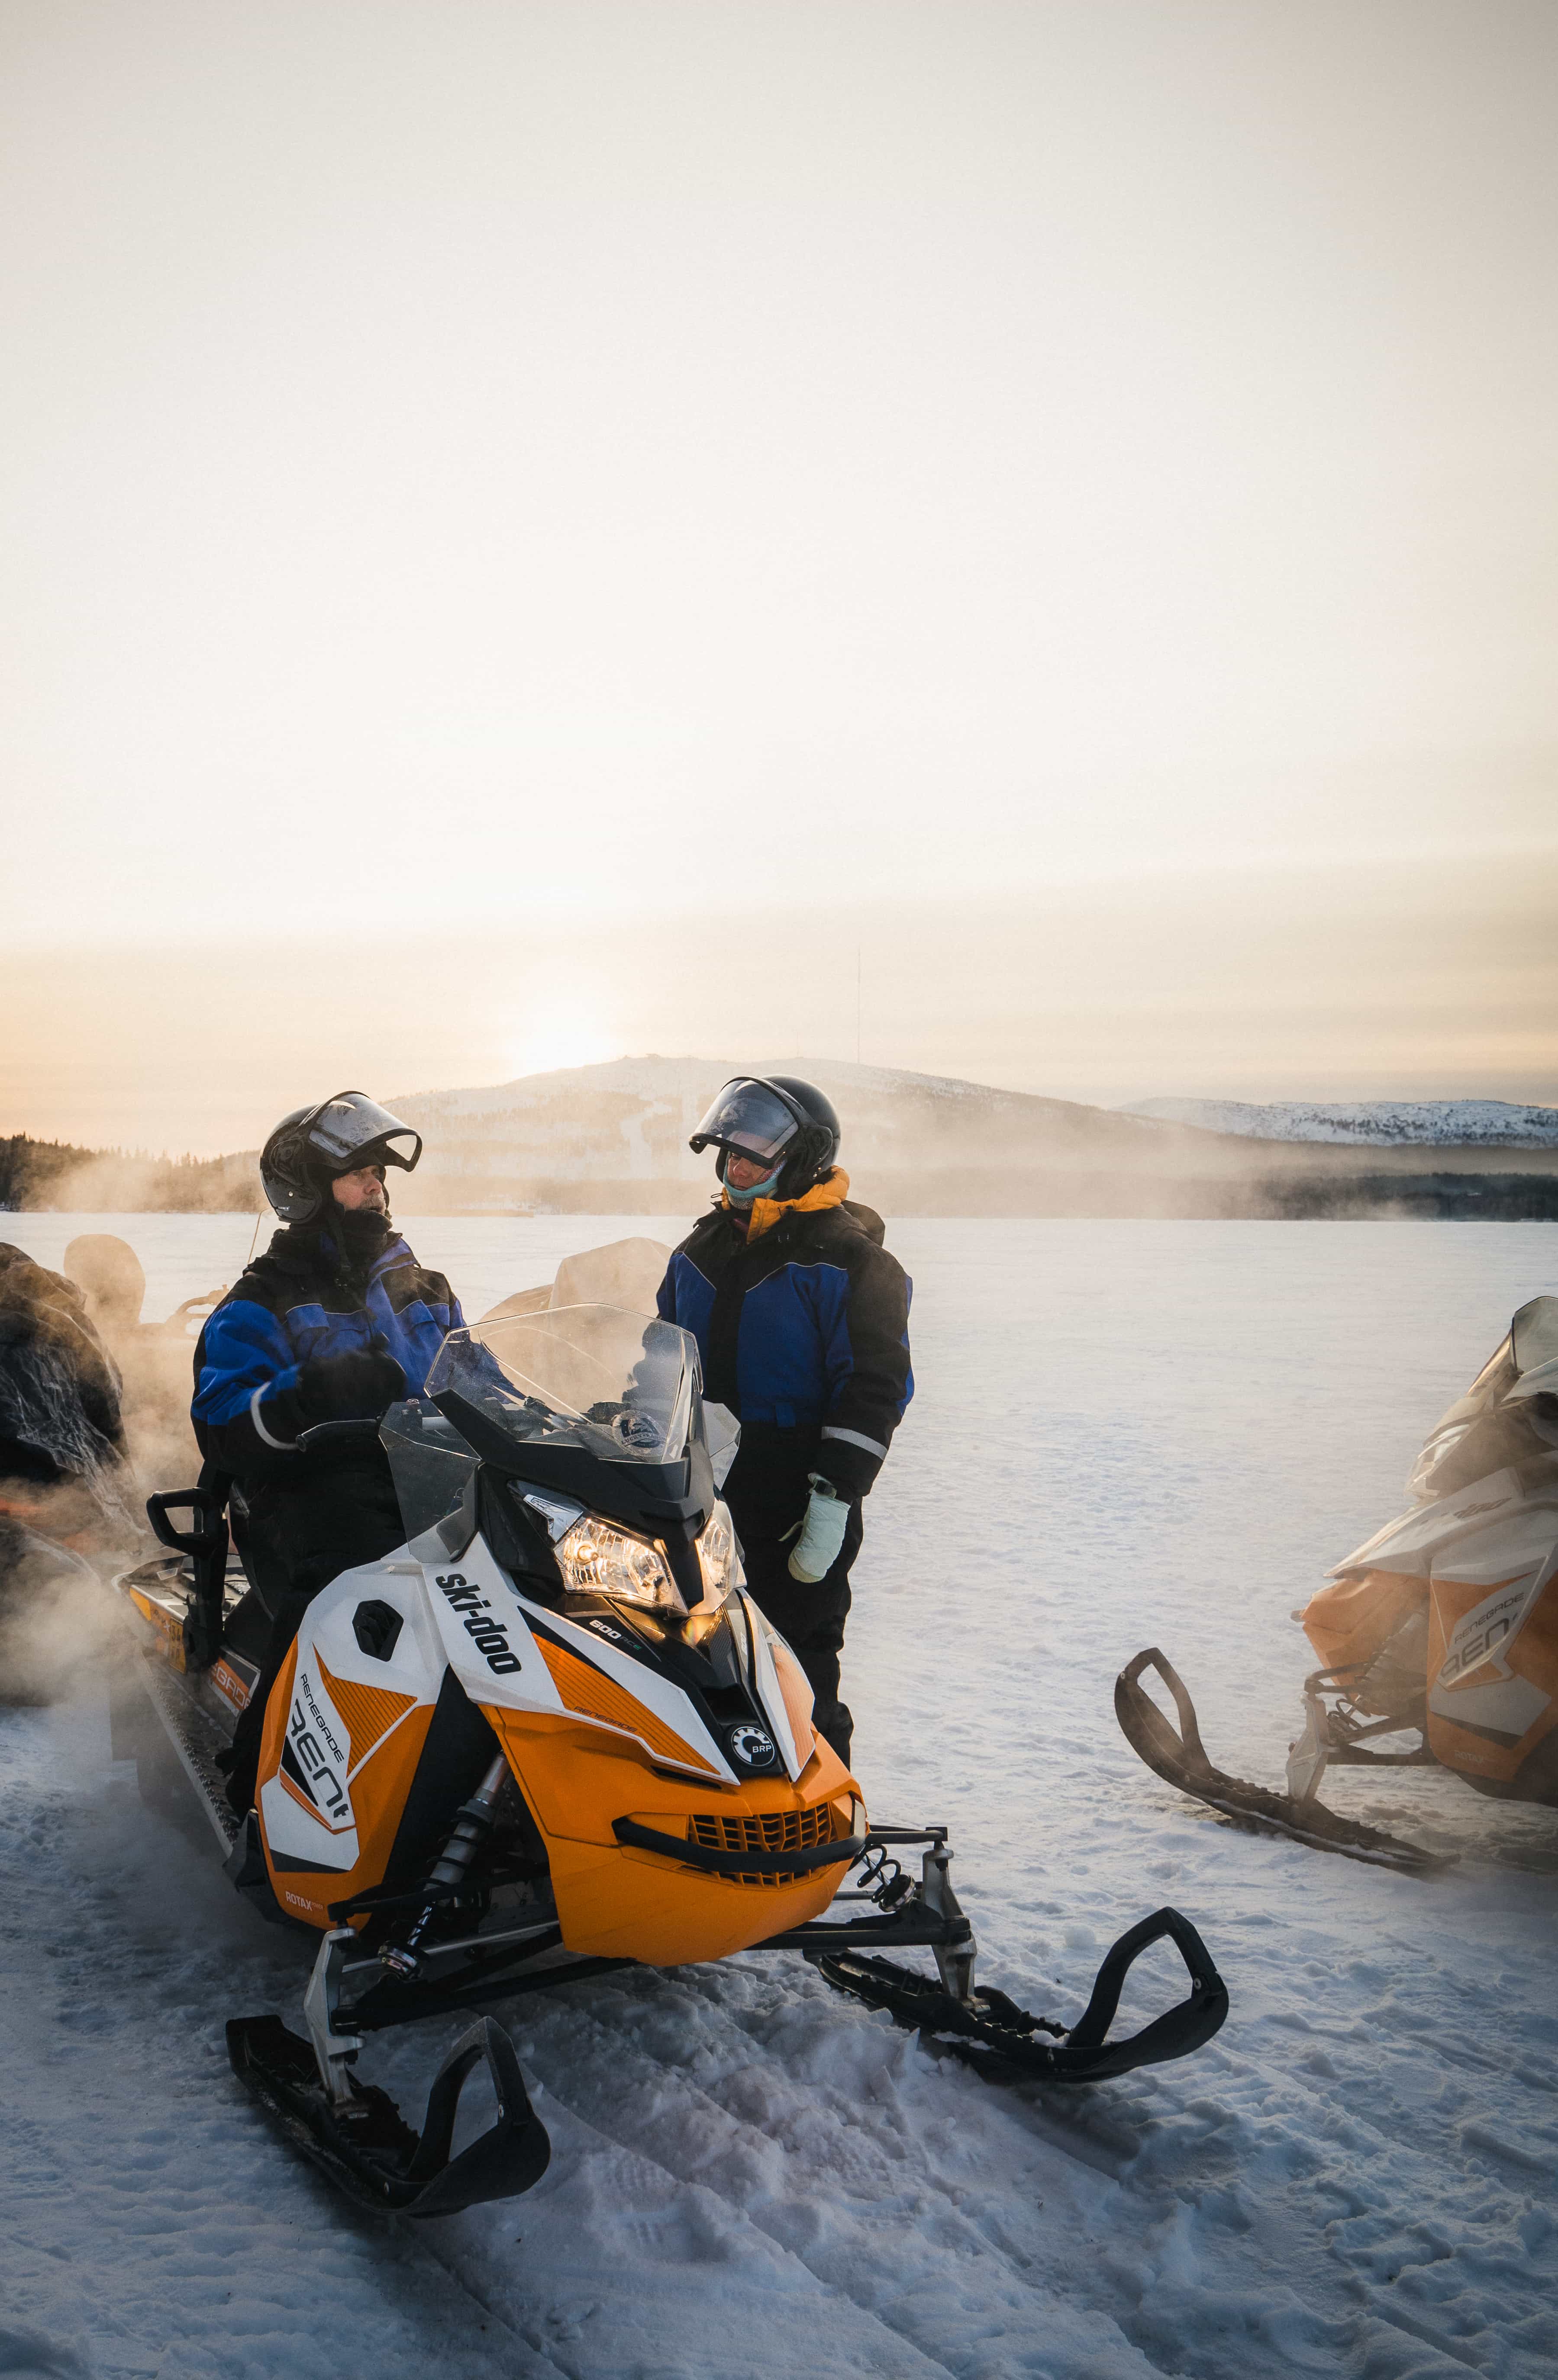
{"points": [[37, 1173]]}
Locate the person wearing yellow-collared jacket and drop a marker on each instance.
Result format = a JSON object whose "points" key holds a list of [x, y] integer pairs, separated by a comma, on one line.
{"points": [[801, 1319]]}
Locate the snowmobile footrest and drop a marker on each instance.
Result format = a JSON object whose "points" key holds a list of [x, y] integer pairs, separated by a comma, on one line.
{"points": [[365, 2147], [990, 2033], [1181, 1760]]}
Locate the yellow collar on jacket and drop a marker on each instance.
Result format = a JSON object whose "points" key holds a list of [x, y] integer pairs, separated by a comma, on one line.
{"points": [[832, 1191]]}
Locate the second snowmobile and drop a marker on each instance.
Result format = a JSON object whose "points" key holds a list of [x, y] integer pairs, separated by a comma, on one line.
{"points": [[552, 1735], [1444, 1625], [66, 1485]]}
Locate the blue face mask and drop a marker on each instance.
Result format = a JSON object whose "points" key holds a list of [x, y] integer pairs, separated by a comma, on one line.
{"points": [[763, 1189]]}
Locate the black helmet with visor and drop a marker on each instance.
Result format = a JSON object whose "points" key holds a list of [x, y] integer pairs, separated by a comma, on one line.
{"points": [[773, 1120], [312, 1146]]}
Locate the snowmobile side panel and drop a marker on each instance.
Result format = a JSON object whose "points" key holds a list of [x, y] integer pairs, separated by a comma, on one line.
{"points": [[1493, 1662], [1408, 1545], [365, 2147], [584, 1686], [1348, 1620], [1181, 1760], [335, 1766]]}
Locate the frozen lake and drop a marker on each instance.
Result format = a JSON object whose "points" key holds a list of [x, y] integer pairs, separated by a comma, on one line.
{"points": [[1124, 1433]]}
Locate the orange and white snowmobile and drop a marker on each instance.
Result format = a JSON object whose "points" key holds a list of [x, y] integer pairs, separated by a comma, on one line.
{"points": [[552, 1735], [1444, 1625]]}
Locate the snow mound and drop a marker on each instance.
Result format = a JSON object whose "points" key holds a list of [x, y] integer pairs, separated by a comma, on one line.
{"points": [[630, 1120]]}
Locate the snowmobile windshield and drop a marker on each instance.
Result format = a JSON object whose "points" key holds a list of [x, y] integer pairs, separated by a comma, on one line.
{"points": [[429, 1460], [588, 1376], [749, 1118], [1533, 1335]]}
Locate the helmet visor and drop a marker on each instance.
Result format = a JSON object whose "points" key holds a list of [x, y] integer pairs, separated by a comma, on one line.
{"points": [[749, 1119], [352, 1130]]}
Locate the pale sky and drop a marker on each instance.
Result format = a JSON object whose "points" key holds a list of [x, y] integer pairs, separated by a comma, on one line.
{"points": [[530, 532]]}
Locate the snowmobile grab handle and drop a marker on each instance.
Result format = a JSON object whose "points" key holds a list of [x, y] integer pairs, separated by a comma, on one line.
{"points": [[193, 1542], [206, 1550]]}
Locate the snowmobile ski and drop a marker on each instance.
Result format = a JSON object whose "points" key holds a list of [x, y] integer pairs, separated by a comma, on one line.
{"points": [[1181, 1760], [990, 2032], [354, 2134]]}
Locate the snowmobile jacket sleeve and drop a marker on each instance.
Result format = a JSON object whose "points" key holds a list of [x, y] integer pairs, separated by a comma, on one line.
{"points": [[246, 1410], [867, 1367], [269, 1362]]}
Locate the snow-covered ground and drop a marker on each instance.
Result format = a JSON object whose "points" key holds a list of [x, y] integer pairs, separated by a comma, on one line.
{"points": [[1125, 1433], [1441, 1123]]}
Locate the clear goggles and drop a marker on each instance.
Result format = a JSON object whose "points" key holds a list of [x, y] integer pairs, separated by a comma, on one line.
{"points": [[748, 1119]]}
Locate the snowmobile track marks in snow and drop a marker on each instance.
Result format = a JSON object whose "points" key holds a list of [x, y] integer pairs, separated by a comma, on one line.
{"points": [[196, 1741], [1181, 1760]]}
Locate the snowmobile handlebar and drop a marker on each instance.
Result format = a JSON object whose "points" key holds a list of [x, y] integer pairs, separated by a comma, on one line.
{"points": [[336, 1433]]}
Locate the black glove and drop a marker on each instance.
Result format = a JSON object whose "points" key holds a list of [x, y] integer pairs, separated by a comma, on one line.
{"points": [[348, 1388], [633, 1429]]}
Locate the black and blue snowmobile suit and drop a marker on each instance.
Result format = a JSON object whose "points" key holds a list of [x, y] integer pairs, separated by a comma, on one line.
{"points": [[304, 1302], [801, 1321], [309, 1515]]}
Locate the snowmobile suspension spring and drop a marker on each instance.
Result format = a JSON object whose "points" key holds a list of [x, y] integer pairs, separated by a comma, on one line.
{"points": [[471, 1827], [470, 1831]]}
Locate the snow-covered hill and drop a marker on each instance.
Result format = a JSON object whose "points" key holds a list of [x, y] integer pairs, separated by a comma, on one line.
{"points": [[628, 1121], [1366, 1122]]}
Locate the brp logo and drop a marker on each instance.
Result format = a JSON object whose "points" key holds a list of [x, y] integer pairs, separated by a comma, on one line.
{"points": [[752, 1746]]}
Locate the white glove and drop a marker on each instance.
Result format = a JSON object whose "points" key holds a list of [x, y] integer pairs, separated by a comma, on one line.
{"points": [[822, 1533]]}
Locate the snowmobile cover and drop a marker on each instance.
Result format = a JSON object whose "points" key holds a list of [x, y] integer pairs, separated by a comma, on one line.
{"points": [[60, 1423], [1443, 1625], [1509, 1414], [1447, 1618]]}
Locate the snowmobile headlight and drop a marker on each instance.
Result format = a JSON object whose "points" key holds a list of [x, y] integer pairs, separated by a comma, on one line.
{"points": [[718, 1557], [595, 1558]]}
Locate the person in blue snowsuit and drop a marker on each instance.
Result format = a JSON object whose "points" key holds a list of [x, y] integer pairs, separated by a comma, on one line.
{"points": [[336, 1322], [801, 1319]]}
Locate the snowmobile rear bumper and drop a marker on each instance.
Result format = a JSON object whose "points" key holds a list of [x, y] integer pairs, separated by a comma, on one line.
{"points": [[1181, 1760]]}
